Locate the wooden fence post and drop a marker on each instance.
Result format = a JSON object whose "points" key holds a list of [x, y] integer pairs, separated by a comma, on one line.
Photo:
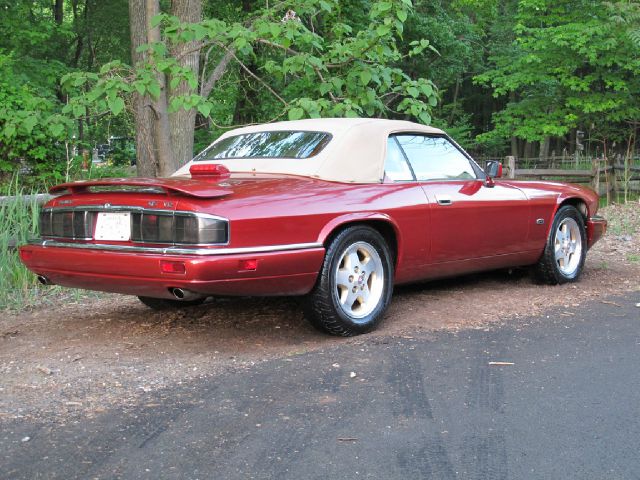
{"points": [[595, 174], [511, 165], [612, 188]]}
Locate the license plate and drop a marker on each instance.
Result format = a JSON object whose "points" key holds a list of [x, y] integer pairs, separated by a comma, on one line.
{"points": [[115, 226]]}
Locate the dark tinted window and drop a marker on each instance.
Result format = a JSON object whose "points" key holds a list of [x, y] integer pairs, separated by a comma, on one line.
{"points": [[278, 144], [435, 158]]}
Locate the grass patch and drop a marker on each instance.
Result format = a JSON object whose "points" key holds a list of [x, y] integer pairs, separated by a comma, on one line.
{"points": [[18, 223]]}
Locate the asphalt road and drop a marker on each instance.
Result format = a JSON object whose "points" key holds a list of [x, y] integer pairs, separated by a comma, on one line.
{"points": [[568, 407]]}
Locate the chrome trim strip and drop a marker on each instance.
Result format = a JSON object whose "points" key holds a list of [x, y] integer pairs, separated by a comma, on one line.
{"points": [[177, 251], [597, 218]]}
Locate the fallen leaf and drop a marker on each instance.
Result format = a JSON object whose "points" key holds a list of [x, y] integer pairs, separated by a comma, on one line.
{"points": [[45, 370]]}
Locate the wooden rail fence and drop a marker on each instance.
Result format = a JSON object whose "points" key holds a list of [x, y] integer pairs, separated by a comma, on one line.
{"points": [[606, 178]]}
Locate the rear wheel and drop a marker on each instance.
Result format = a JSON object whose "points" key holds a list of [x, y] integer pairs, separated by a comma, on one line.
{"points": [[166, 304], [355, 284], [565, 251]]}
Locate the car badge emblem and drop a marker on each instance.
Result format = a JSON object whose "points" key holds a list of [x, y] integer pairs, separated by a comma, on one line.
{"points": [[107, 205], [152, 203]]}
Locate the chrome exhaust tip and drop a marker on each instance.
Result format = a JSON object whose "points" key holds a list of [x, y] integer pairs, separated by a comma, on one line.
{"points": [[182, 294], [44, 280]]}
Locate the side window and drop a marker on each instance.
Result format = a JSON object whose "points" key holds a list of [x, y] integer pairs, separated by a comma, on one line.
{"points": [[435, 158], [396, 168]]}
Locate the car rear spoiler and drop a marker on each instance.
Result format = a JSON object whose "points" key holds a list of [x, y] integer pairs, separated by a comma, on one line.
{"points": [[185, 186]]}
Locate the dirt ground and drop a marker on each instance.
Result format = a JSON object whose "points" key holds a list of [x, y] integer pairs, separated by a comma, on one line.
{"points": [[78, 355]]}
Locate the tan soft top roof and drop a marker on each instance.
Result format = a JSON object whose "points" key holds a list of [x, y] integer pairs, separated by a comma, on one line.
{"points": [[355, 154]]}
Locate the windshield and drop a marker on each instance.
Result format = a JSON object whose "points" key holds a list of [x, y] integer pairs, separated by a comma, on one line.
{"points": [[276, 144]]}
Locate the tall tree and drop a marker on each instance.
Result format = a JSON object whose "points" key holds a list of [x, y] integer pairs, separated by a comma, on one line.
{"points": [[164, 138], [146, 159], [182, 121], [302, 63]]}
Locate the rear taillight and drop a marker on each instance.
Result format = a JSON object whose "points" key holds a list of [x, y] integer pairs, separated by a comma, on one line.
{"points": [[147, 226], [180, 228], [77, 225]]}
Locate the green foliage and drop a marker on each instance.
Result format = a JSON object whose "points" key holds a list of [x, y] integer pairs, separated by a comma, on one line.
{"points": [[542, 69], [569, 67], [31, 127], [312, 63]]}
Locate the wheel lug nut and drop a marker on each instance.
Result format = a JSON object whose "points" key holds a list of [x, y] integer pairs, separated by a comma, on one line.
{"points": [[356, 269], [354, 289], [350, 278]]}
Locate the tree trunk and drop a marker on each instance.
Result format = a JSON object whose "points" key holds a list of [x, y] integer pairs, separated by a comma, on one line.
{"points": [[161, 131], [146, 162], [182, 122], [514, 140], [58, 11], [544, 147]]}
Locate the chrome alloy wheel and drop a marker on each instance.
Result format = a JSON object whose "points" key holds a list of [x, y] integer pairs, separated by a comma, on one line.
{"points": [[568, 246], [359, 280]]}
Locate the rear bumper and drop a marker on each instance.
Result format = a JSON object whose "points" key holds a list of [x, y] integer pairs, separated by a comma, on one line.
{"points": [[280, 272], [596, 228]]}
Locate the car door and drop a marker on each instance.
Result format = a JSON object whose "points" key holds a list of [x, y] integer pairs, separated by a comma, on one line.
{"points": [[469, 218]]}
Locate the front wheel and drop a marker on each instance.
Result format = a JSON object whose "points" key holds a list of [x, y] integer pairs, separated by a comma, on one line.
{"points": [[563, 258], [355, 284]]}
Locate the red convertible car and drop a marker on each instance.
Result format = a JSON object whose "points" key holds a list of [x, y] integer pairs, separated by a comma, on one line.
{"points": [[339, 210]]}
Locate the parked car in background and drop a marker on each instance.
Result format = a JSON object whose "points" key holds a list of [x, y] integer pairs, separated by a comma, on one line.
{"points": [[118, 151], [338, 210]]}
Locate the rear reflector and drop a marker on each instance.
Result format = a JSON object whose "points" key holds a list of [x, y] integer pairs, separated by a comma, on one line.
{"points": [[249, 264], [172, 267], [25, 255]]}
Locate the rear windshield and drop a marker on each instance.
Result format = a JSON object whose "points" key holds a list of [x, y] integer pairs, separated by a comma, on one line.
{"points": [[278, 144]]}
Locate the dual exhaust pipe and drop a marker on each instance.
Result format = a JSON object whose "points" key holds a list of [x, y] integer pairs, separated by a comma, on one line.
{"points": [[183, 294], [177, 292], [44, 280]]}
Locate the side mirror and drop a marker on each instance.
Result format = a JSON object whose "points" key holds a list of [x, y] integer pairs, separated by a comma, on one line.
{"points": [[493, 169]]}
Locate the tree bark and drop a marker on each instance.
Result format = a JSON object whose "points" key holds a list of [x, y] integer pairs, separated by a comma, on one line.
{"points": [[182, 122], [146, 162], [161, 130]]}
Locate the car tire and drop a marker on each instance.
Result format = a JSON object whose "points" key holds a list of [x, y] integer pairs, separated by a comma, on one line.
{"points": [[166, 304], [355, 283], [565, 251]]}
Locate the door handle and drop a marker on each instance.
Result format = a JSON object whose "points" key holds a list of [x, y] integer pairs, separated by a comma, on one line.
{"points": [[443, 200]]}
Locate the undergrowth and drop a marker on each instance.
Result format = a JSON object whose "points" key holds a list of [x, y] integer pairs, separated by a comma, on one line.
{"points": [[18, 223]]}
